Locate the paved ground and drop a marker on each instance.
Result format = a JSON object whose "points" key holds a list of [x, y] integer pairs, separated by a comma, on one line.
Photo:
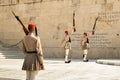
{"points": [[56, 69]]}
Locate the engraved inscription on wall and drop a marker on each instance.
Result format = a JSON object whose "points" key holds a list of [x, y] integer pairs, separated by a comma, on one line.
{"points": [[109, 16], [97, 40], [100, 40]]}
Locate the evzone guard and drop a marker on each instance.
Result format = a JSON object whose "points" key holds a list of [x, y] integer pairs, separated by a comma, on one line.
{"points": [[85, 46], [66, 43], [31, 46], [85, 42]]}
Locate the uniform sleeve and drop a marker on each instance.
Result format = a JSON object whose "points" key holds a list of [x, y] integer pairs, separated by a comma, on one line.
{"points": [[82, 41], [39, 51], [38, 46], [22, 46]]}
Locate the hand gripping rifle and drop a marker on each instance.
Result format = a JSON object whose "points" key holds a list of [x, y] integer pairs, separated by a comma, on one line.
{"points": [[24, 28], [93, 30]]}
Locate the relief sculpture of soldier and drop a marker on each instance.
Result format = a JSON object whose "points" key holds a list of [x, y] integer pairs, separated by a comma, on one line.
{"points": [[85, 46], [31, 46], [66, 43]]}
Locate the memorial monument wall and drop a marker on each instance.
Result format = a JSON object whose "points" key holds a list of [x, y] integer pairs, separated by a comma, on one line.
{"points": [[52, 17]]}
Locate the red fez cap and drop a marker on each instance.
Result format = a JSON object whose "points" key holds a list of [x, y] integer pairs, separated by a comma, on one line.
{"points": [[66, 31], [31, 25], [85, 33]]}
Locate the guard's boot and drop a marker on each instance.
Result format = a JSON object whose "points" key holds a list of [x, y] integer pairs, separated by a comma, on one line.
{"points": [[68, 61], [85, 60]]}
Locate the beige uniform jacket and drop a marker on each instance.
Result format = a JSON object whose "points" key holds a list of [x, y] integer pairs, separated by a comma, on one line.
{"points": [[84, 43]]}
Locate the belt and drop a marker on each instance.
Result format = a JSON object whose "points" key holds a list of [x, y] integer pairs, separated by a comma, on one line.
{"points": [[32, 52]]}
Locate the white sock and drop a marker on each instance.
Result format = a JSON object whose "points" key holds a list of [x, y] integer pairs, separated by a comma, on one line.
{"points": [[85, 54], [33, 75], [66, 54]]}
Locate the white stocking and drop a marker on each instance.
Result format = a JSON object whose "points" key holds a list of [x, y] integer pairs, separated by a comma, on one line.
{"points": [[66, 54]]}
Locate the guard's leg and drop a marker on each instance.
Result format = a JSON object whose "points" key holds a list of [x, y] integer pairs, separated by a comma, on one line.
{"points": [[66, 56], [28, 75], [85, 55], [33, 75]]}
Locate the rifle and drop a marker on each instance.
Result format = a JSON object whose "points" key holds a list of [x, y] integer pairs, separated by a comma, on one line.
{"points": [[74, 21], [24, 28], [36, 33], [93, 31]]}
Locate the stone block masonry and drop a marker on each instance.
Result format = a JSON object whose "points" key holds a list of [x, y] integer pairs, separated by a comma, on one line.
{"points": [[54, 16]]}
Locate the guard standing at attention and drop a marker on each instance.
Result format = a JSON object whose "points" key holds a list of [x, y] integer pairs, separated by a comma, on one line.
{"points": [[31, 46]]}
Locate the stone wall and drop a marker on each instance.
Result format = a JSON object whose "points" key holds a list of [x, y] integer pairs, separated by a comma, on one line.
{"points": [[54, 16]]}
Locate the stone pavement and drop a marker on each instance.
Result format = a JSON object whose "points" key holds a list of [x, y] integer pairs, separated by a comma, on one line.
{"points": [[56, 69]]}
